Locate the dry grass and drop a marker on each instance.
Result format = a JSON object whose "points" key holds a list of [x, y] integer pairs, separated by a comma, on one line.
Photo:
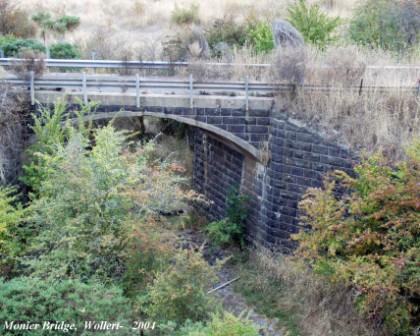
{"points": [[359, 117], [130, 22], [318, 308]]}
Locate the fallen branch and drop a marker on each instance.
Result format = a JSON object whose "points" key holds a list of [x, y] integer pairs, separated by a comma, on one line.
{"points": [[222, 285]]}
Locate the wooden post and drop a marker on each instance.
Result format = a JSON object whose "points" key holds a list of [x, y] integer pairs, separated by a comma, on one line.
{"points": [[137, 90], [191, 91], [32, 86], [84, 88]]}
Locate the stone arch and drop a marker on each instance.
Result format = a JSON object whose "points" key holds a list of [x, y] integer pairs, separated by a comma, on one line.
{"points": [[223, 134]]}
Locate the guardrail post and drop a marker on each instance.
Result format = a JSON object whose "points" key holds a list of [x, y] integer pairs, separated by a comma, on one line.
{"points": [[93, 55], [246, 93], [1, 53], [191, 91], [32, 86], [137, 90], [84, 86], [47, 50]]}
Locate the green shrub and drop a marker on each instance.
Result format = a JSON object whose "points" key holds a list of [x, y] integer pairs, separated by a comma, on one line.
{"points": [[64, 50], [386, 24], [369, 237], [182, 16], [315, 26], [11, 214], [50, 135], [219, 325], [68, 22], [260, 37], [81, 208], [36, 300], [226, 31], [232, 228], [179, 292], [148, 252], [59, 25], [51, 132], [12, 46]]}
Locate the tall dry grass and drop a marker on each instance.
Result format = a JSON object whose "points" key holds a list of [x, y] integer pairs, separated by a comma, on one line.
{"points": [[318, 308], [129, 22], [352, 108]]}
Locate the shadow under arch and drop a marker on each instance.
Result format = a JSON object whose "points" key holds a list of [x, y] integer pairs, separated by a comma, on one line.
{"points": [[242, 144]]}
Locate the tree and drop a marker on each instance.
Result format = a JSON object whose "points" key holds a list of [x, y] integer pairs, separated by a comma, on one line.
{"points": [[59, 25], [316, 27]]}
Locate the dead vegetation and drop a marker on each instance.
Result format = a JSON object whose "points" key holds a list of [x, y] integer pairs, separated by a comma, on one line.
{"points": [[14, 20], [33, 61], [351, 107], [303, 303]]}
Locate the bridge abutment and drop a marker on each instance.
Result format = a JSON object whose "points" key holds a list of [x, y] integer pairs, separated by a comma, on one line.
{"points": [[263, 153], [296, 159]]}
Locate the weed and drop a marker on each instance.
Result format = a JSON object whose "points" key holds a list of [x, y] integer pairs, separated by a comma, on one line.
{"points": [[183, 16]]}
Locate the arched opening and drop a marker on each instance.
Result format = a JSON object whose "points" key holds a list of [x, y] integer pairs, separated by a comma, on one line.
{"points": [[221, 134]]}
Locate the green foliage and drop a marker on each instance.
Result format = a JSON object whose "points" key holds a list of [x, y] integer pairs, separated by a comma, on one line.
{"points": [[232, 228], [51, 132], [64, 50], [180, 291], [386, 24], [12, 46], [11, 214], [36, 300], [95, 217], [257, 34], [264, 291], [55, 25], [227, 31], [146, 255], [68, 23], [219, 325], [260, 37], [182, 16], [369, 237], [221, 231], [81, 208], [315, 26]]}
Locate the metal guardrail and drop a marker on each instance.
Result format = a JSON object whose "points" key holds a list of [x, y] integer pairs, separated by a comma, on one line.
{"points": [[112, 64], [92, 84], [158, 65]]}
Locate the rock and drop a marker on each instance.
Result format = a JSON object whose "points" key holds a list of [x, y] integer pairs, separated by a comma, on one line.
{"points": [[186, 45], [197, 44], [223, 51], [285, 35]]}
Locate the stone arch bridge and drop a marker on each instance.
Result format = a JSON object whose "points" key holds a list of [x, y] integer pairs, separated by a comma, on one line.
{"points": [[239, 141]]}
